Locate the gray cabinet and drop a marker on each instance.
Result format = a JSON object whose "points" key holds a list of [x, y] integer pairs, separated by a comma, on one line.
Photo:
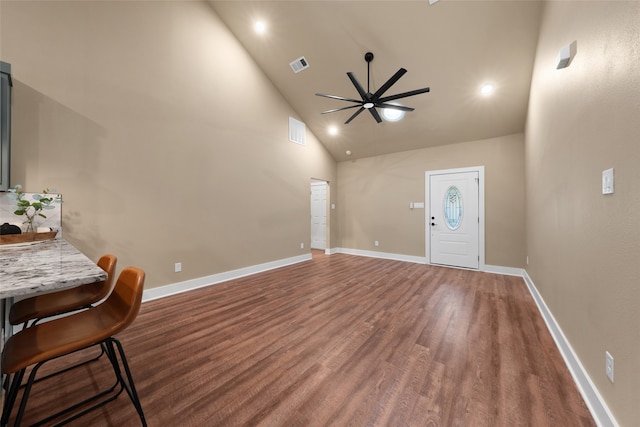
{"points": [[5, 125]]}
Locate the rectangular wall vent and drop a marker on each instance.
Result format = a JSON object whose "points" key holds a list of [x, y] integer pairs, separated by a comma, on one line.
{"points": [[297, 131], [299, 64]]}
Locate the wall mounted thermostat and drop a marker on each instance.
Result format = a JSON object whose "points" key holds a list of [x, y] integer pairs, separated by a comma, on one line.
{"points": [[607, 181]]}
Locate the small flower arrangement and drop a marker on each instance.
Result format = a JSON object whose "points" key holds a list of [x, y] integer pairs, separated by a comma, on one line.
{"points": [[34, 208]]}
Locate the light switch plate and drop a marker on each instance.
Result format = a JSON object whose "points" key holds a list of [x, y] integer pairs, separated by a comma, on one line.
{"points": [[607, 181]]}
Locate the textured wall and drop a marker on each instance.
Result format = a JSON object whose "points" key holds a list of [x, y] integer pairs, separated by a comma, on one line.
{"points": [[584, 246], [374, 195], [166, 140]]}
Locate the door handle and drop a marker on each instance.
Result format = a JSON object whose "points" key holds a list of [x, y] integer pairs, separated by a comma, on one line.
{"points": [[433, 223]]}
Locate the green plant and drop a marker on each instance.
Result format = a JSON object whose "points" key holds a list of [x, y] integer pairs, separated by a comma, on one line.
{"points": [[31, 209]]}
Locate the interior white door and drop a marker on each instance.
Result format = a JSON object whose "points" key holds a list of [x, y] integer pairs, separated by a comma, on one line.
{"points": [[454, 219], [319, 215]]}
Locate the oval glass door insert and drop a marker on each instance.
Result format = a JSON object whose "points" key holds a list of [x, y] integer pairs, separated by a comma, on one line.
{"points": [[453, 209]]}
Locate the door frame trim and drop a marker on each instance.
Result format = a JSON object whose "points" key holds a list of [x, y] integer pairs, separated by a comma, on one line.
{"points": [[427, 208]]}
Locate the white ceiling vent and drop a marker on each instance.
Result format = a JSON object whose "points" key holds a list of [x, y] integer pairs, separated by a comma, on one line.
{"points": [[299, 64], [297, 131]]}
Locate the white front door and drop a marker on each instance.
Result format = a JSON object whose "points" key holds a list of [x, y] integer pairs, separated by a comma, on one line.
{"points": [[454, 218], [319, 215]]}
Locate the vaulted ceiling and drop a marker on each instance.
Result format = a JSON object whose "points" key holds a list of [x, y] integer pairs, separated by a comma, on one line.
{"points": [[452, 46]]}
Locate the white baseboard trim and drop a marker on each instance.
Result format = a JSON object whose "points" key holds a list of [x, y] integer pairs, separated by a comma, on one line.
{"points": [[384, 255], [594, 401], [507, 271], [200, 282]]}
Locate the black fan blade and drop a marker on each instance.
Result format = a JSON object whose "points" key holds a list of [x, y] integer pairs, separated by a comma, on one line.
{"points": [[394, 107], [359, 88], [375, 114], [354, 115], [388, 84], [340, 109], [359, 101], [403, 95]]}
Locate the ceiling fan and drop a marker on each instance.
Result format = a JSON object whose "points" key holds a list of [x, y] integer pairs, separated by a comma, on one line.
{"points": [[371, 101]]}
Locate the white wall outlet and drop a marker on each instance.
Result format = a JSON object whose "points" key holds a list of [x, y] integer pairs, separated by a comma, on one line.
{"points": [[376, 243], [607, 181], [527, 259], [608, 365], [178, 267], [301, 245]]}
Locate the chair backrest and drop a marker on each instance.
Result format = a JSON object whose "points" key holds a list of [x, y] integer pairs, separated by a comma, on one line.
{"points": [[108, 264], [124, 301]]}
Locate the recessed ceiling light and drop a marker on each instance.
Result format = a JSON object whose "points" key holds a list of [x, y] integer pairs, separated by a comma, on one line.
{"points": [[333, 130], [392, 115], [260, 27], [487, 89]]}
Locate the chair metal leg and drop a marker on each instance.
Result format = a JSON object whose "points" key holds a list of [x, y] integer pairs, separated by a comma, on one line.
{"points": [[77, 365], [36, 320], [6, 383], [10, 398], [81, 404], [108, 347], [27, 389], [25, 394], [128, 385]]}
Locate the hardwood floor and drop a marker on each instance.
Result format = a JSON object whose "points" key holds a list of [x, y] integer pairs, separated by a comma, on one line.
{"points": [[339, 340]]}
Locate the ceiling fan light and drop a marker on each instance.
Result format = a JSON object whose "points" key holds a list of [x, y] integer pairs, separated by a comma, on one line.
{"points": [[392, 115], [368, 105]]}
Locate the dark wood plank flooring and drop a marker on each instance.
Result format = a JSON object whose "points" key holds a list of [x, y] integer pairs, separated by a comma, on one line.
{"points": [[339, 340]]}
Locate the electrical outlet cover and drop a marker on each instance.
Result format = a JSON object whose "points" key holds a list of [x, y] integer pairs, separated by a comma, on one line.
{"points": [[608, 367]]}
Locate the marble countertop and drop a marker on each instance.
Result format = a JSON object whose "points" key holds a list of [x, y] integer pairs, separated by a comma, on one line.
{"points": [[33, 267]]}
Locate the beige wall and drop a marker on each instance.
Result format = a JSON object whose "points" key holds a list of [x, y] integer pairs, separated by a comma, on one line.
{"points": [[583, 246], [170, 145], [166, 140], [374, 195]]}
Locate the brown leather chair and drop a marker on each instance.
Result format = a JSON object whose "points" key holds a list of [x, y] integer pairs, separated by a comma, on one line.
{"points": [[66, 301], [95, 326], [69, 300]]}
